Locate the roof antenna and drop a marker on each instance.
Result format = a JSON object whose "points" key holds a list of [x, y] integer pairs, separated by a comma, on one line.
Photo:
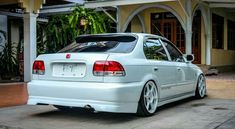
{"points": [[158, 30]]}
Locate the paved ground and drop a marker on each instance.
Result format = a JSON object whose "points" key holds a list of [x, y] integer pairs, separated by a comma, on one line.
{"points": [[217, 111]]}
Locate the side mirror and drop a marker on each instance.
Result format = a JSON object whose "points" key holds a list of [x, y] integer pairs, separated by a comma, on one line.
{"points": [[190, 58]]}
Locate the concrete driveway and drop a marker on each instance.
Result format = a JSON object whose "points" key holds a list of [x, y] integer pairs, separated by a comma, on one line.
{"points": [[217, 111]]}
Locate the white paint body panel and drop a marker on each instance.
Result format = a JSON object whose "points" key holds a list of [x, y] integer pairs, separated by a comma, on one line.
{"points": [[174, 81]]}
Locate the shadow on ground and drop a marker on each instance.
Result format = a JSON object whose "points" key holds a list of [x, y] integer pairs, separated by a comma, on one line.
{"points": [[107, 118]]}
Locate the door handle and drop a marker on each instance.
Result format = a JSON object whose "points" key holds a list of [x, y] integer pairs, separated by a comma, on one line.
{"points": [[155, 68]]}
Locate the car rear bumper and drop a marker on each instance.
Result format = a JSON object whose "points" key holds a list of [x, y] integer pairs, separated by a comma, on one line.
{"points": [[107, 97]]}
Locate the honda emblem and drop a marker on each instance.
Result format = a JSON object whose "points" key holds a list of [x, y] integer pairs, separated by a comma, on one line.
{"points": [[68, 56]]}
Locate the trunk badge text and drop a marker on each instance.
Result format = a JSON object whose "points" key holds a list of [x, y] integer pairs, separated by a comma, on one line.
{"points": [[68, 56]]}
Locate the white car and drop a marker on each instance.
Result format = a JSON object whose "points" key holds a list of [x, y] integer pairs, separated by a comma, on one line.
{"points": [[121, 72]]}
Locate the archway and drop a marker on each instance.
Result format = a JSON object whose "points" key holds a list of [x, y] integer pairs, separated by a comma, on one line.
{"points": [[136, 25], [200, 29], [163, 21], [140, 9]]}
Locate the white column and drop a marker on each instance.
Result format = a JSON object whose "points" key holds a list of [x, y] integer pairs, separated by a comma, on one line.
{"points": [[30, 44], [208, 49], [118, 17], [208, 37], [188, 31], [188, 38]]}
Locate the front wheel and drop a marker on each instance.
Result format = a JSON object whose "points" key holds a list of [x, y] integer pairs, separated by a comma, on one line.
{"points": [[201, 87], [148, 100]]}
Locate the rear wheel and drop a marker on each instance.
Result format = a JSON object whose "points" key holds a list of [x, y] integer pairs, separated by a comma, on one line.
{"points": [[201, 87], [148, 100]]}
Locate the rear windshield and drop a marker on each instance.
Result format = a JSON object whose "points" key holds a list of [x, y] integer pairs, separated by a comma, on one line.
{"points": [[102, 43]]}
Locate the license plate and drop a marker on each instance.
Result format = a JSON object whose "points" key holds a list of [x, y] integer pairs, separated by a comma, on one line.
{"points": [[69, 70]]}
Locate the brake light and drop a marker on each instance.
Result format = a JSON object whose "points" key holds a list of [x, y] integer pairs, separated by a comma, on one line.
{"points": [[38, 67], [108, 68]]}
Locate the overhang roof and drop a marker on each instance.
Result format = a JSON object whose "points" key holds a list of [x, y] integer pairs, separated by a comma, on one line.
{"points": [[108, 3], [220, 3], [26, 5]]}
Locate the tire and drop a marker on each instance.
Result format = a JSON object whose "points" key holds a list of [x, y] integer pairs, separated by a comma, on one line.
{"points": [[200, 91], [148, 100]]}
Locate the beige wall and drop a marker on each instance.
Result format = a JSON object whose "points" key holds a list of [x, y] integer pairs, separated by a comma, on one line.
{"points": [[222, 57], [136, 25], [125, 12]]}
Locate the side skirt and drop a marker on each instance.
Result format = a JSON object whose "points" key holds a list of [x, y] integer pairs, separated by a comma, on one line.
{"points": [[175, 98]]}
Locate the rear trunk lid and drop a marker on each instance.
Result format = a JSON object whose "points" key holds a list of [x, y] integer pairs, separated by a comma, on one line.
{"points": [[71, 66]]}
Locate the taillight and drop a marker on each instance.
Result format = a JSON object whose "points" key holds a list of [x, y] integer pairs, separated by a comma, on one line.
{"points": [[38, 67], [108, 68]]}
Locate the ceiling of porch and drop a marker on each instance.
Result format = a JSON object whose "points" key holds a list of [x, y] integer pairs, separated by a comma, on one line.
{"points": [[229, 4], [21, 5], [226, 5]]}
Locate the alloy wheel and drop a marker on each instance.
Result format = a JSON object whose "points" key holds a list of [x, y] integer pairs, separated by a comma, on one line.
{"points": [[150, 97], [202, 86]]}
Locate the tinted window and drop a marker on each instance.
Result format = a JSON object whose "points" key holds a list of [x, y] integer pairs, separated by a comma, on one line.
{"points": [[102, 43], [153, 49], [174, 53]]}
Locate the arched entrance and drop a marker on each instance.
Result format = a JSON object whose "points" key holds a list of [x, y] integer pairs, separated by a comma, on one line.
{"points": [[161, 20], [200, 35]]}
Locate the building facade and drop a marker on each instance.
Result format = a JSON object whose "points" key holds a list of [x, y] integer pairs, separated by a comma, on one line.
{"points": [[204, 28]]}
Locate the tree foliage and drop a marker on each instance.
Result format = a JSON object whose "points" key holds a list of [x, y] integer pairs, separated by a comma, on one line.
{"points": [[62, 29], [95, 21]]}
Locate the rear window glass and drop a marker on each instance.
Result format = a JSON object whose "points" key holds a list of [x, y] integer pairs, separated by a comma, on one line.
{"points": [[102, 43]]}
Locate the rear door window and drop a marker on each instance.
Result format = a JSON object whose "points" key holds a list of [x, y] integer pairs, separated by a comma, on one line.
{"points": [[102, 43], [154, 50]]}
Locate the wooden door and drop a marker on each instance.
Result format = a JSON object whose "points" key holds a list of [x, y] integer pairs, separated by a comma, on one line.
{"points": [[196, 38], [172, 30]]}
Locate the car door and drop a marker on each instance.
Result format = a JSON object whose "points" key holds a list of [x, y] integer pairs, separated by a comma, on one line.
{"points": [[162, 69], [184, 74]]}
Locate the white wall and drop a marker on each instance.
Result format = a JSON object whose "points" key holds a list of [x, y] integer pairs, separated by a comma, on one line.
{"points": [[3, 27], [15, 34]]}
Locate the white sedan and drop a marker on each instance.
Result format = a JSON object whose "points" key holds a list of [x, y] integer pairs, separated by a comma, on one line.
{"points": [[121, 72]]}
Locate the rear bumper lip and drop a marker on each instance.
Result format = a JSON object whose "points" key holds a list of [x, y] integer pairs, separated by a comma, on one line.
{"points": [[104, 97], [101, 106]]}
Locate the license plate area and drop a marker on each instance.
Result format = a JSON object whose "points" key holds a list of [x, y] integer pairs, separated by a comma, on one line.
{"points": [[69, 70]]}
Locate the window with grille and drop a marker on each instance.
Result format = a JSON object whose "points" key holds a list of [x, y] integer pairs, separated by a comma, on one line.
{"points": [[217, 31], [231, 35]]}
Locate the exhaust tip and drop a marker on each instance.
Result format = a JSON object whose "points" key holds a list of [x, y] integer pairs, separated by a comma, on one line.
{"points": [[89, 108]]}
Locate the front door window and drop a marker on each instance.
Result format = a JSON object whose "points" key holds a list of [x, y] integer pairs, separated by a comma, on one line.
{"points": [[175, 55]]}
